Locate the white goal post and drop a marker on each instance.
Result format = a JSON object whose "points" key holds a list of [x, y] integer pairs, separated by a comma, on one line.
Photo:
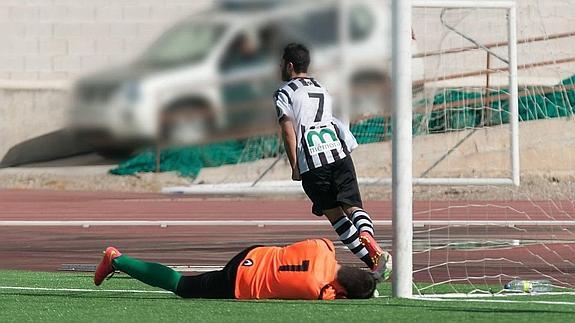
{"points": [[402, 159]]}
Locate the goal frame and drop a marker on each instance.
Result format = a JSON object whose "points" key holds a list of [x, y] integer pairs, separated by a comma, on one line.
{"points": [[402, 180]]}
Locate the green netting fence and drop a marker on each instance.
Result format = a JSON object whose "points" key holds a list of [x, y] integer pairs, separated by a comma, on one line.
{"points": [[472, 110], [188, 161]]}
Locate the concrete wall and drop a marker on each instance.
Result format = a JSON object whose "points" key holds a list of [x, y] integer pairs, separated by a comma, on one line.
{"points": [[28, 113], [44, 44], [547, 147], [59, 39]]}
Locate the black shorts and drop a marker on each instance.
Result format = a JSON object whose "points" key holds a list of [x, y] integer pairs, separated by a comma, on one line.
{"points": [[220, 284], [331, 186]]}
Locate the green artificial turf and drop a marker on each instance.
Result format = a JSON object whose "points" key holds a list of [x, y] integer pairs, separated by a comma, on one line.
{"points": [[18, 305]]}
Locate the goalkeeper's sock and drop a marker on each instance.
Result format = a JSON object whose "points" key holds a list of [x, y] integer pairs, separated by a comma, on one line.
{"points": [[362, 221], [350, 237], [150, 273]]}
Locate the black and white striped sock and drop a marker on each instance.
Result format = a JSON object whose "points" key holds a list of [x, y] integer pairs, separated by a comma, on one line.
{"points": [[350, 237], [362, 221]]}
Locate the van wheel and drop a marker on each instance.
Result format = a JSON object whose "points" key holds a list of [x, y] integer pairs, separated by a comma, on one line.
{"points": [[187, 124], [115, 153]]}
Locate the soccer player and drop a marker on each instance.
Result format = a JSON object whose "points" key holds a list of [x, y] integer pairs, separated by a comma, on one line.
{"points": [[303, 270], [318, 147]]}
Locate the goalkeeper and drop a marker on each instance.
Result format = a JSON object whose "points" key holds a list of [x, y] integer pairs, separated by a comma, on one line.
{"points": [[304, 270]]}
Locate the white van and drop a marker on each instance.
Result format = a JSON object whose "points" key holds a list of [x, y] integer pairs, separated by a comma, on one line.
{"points": [[213, 74]]}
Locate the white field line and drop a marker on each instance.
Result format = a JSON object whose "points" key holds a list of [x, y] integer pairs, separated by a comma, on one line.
{"points": [[196, 269], [262, 223], [483, 300], [489, 295], [84, 290], [284, 187], [136, 291], [179, 268]]}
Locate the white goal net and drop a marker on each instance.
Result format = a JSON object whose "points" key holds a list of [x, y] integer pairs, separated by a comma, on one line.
{"points": [[470, 238]]}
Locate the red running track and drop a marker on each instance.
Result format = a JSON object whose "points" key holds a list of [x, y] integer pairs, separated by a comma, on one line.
{"points": [[46, 248]]}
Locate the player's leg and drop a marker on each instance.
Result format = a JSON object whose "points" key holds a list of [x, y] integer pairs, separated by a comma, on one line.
{"points": [[216, 284], [207, 285], [319, 186], [362, 221], [360, 218], [349, 197], [348, 234], [150, 273]]}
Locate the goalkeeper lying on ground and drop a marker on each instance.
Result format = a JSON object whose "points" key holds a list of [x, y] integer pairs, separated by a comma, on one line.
{"points": [[303, 270]]}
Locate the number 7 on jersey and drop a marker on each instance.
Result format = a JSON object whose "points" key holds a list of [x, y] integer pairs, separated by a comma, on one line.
{"points": [[319, 113]]}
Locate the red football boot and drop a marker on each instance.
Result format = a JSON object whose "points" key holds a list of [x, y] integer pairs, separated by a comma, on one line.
{"points": [[381, 258], [105, 267]]}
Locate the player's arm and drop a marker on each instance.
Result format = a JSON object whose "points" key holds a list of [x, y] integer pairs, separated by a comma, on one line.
{"points": [[290, 144], [284, 110]]}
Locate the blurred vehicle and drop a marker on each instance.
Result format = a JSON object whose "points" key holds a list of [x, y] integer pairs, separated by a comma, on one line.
{"points": [[212, 75]]}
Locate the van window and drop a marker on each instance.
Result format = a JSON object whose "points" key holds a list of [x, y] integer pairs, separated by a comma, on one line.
{"points": [[361, 22], [252, 48], [321, 27], [186, 43], [316, 27]]}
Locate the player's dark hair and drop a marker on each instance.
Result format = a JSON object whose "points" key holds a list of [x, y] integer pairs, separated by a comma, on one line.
{"points": [[358, 283], [298, 55]]}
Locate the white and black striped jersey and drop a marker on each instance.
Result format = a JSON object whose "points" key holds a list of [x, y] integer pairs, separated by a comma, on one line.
{"points": [[321, 138]]}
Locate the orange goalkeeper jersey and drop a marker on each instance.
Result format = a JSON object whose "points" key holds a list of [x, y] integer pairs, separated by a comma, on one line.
{"points": [[303, 270]]}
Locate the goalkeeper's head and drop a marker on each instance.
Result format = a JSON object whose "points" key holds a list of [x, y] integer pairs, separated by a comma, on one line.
{"points": [[355, 283], [295, 61]]}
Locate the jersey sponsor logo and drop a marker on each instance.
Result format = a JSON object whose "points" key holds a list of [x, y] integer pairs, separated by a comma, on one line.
{"points": [[322, 140], [248, 263]]}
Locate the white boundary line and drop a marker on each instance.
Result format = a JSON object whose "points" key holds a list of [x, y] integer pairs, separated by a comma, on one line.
{"points": [[180, 268], [291, 187], [85, 290], [137, 291], [490, 298], [489, 295], [463, 4], [262, 223], [483, 300]]}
